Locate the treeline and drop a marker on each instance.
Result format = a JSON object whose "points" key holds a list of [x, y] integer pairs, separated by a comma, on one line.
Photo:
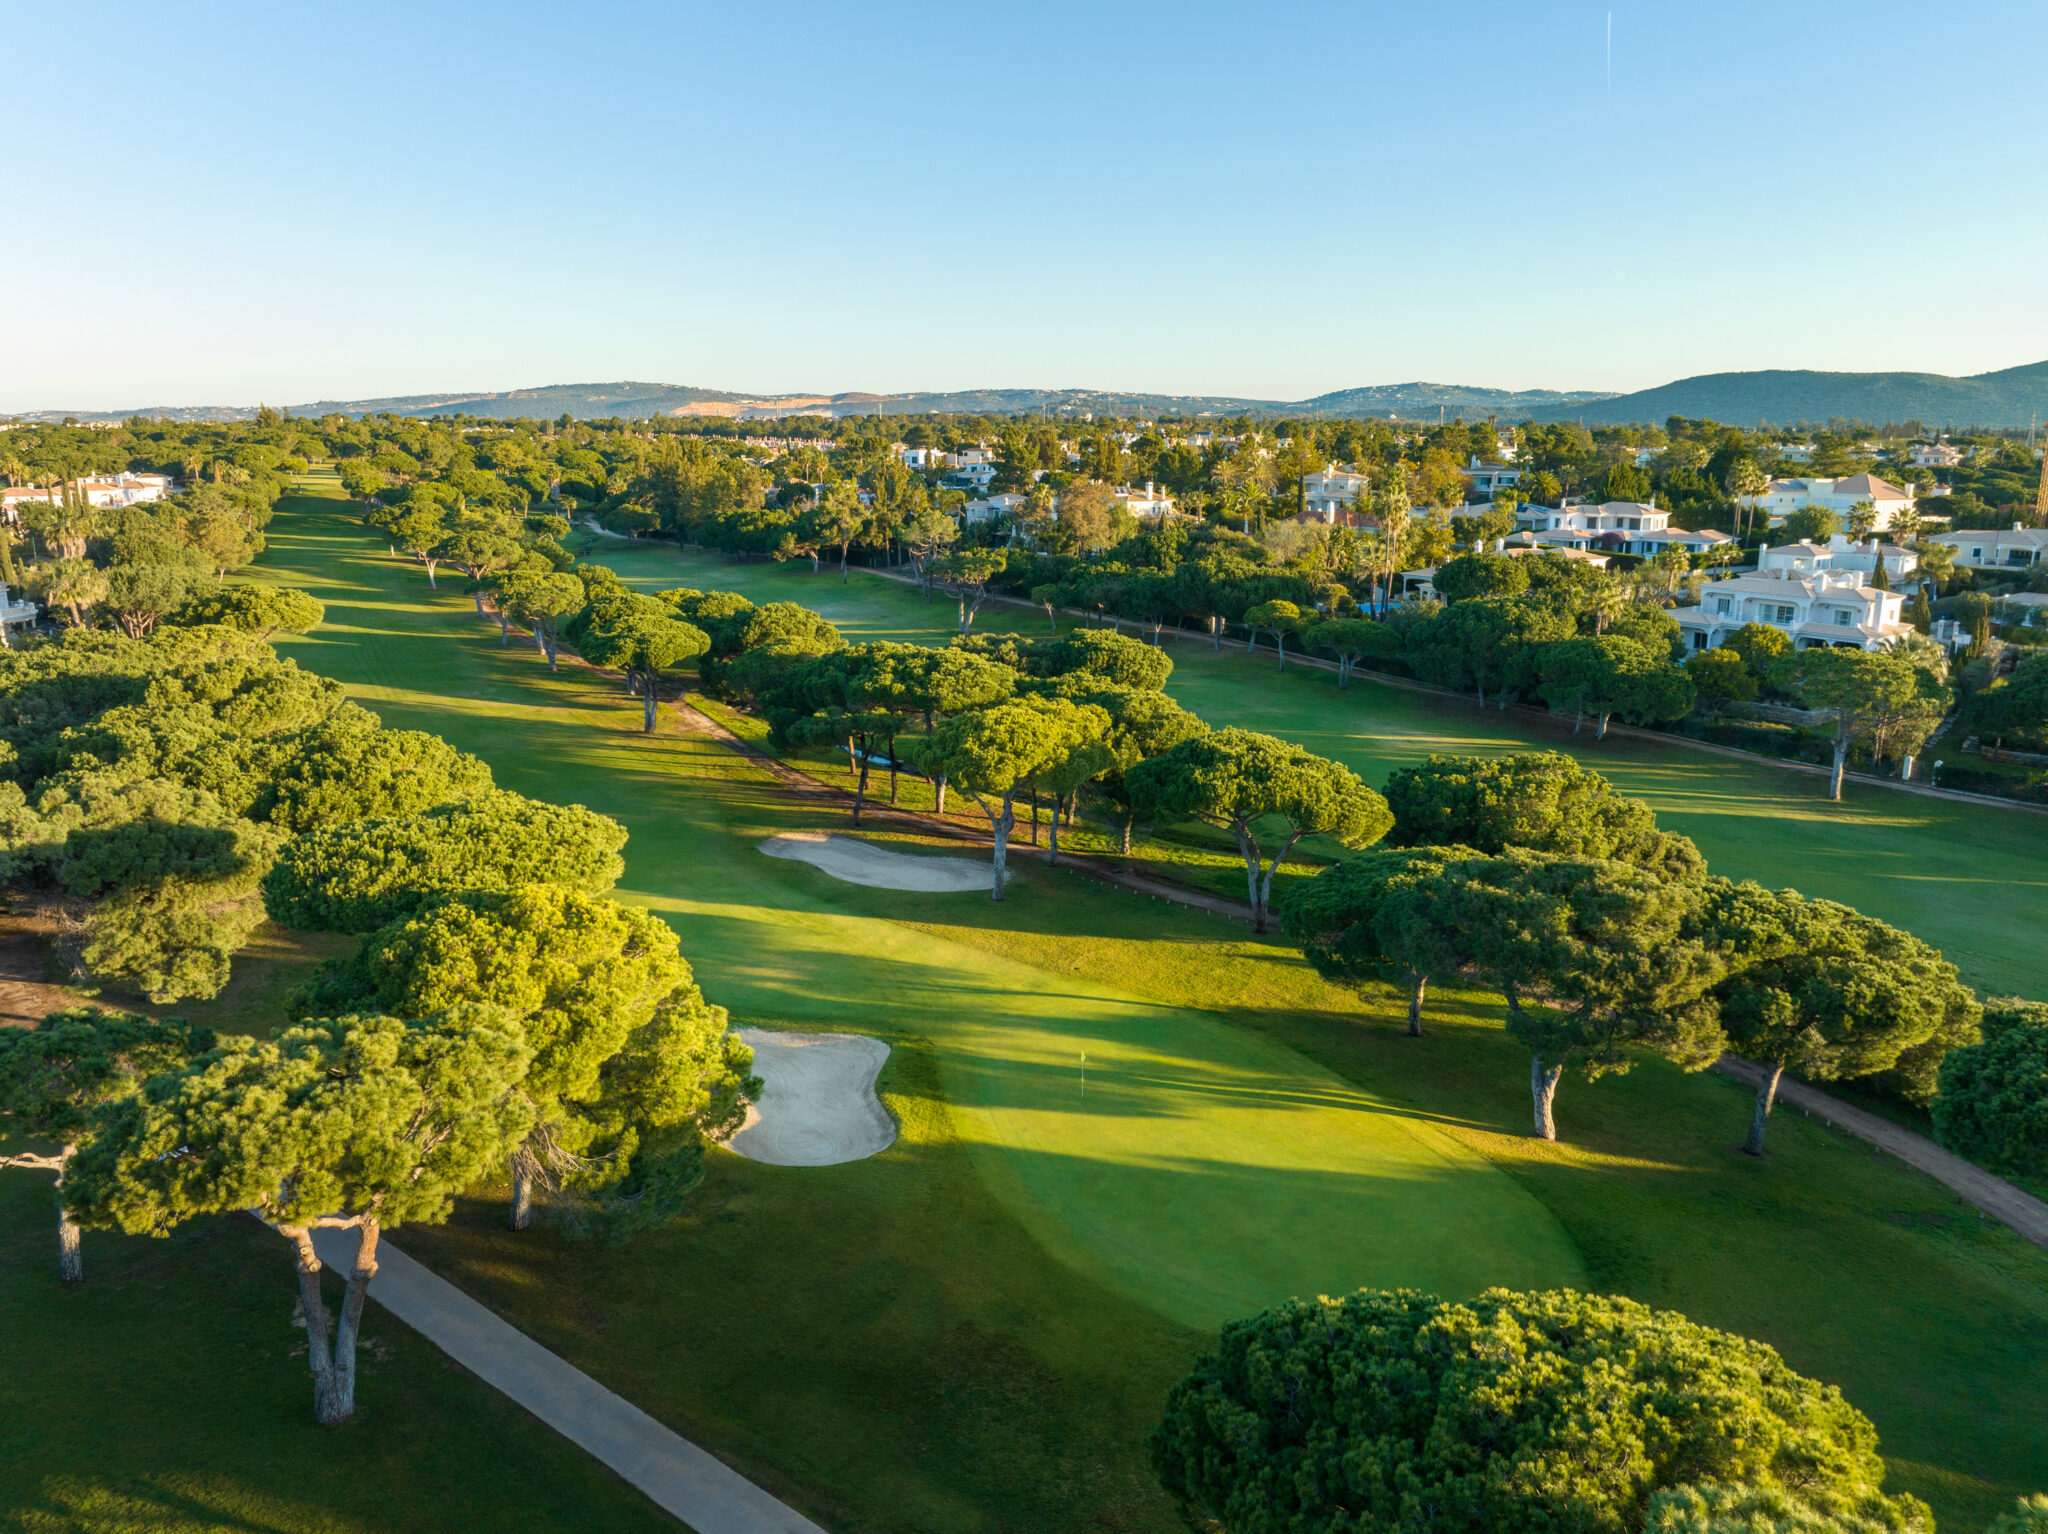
{"points": [[162, 795]]}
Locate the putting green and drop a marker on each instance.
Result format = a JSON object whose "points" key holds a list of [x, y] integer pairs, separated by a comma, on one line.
{"points": [[1967, 877], [1202, 1169]]}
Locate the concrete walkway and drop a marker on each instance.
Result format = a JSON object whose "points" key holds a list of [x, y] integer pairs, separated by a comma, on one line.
{"points": [[1993, 1194], [681, 1478]]}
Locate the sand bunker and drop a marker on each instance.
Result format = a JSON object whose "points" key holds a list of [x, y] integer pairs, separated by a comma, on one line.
{"points": [[859, 862], [818, 1105]]}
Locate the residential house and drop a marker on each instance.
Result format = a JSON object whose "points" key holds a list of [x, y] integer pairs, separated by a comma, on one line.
{"points": [[122, 489], [1485, 478], [1935, 455], [1840, 496], [1845, 555], [923, 457], [14, 613], [1004, 505], [1619, 527], [1329, 490], [1797, 590], [972, 468], [1597, 561], [1986, 549], [1149, 502], [1797, 452]]}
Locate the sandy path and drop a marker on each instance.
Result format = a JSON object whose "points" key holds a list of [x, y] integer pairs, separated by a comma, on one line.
{"points": [[818, 1105], [859, 862]]}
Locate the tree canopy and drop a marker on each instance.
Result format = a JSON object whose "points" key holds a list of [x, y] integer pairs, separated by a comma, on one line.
{"points": [[1545, 801], [1830, 993], [630, 1067], [1350, 921], [1237, 778], [1385, 1410], [365, 1122], [1993, 1103], [358, 877]]}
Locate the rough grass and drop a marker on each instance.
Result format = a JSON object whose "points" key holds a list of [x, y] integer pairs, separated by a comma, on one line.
{"points": [[168, 1394]]}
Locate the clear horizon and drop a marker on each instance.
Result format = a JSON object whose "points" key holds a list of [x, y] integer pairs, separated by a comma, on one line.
{"points": [[912, 198]]}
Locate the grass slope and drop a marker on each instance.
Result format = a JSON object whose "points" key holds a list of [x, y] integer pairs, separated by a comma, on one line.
{"points": [[1972, 879]]}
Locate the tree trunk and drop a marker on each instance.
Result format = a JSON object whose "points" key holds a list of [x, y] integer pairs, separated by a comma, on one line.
{"points": [[70, 1264], [939, 787], [1841, 765], [1001, 826], [1578, 720], [352, 1300], [647, 698], [1280, 644], [1052, 856], [1127, 836], [1216, 633], [431, 582], [478, 594], [522, 1196], [1602, 735], [327, 1409], [860, 788], [1418, 983], [842, 564], [1034, 817], [1543, 1088], [1766, 1097], [1249, 850], [1265, 900]]}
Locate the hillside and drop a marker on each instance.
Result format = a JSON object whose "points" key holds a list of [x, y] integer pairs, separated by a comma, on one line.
{"points": [[2012, 397]]}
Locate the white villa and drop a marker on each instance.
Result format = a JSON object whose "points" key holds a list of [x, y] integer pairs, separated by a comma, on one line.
{"points": [[1935, 455], [1620, 527], [1149, 502], [1489, 477], [1330, 490], [122, 489], [1986, 549], [1840, 496], [1799, 591]]}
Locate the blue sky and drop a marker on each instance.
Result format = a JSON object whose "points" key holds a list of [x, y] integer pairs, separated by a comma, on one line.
{"points": [[227, 203]]}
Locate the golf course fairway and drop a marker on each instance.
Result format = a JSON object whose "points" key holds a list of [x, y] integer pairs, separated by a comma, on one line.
{"points": [[1971, 878], [1200, 1169]]}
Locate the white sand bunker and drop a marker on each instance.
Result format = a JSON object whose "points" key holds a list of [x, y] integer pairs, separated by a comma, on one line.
{"points": [[818, 1105], [859, 862]]}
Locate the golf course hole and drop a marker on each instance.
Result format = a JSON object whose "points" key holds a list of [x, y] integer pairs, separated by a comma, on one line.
{"points": [[818, 1105], [859, 862]]}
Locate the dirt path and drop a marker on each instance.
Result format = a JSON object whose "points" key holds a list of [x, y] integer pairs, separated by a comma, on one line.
{"points": [[1992, 1194], [26, 995]]}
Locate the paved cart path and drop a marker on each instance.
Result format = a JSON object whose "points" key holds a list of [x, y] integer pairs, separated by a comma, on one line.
{"points": [[707, 1494], [1992, 1194]]}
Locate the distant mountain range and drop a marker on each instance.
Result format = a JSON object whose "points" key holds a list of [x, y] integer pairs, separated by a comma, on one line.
{"points": [[2010, 398]]}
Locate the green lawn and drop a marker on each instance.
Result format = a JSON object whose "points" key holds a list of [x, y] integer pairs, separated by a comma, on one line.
{"points": [[974, 1330], [1972, 879]]}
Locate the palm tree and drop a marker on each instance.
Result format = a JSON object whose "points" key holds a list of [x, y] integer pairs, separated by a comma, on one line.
{"points": [[1862, 520], [1746, 481]]}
